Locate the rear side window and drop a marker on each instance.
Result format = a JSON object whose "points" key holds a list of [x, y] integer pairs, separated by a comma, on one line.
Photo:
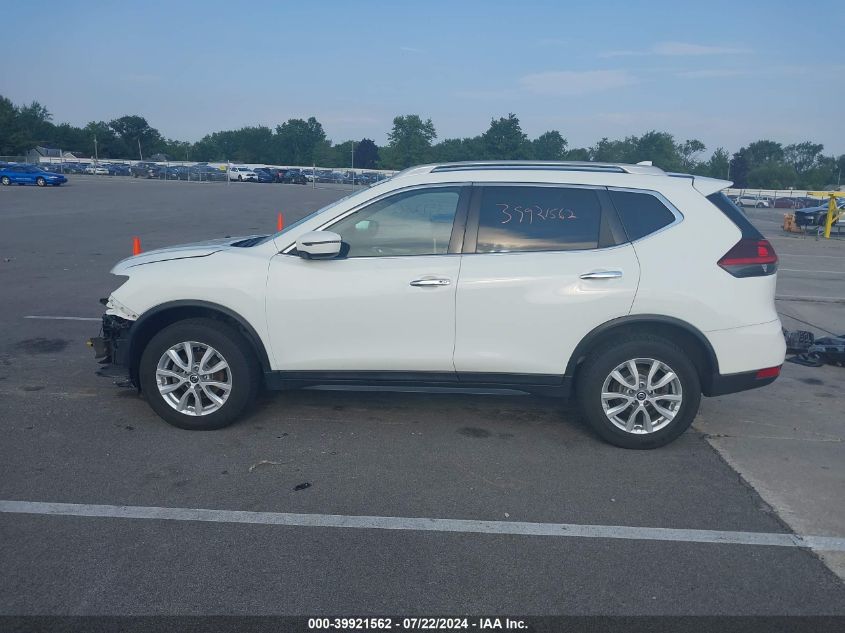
{"points": [[641, 213], [522, 218]]}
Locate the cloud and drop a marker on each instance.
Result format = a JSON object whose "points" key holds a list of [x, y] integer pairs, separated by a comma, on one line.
{"points": [[570, 82], [678, 49]]}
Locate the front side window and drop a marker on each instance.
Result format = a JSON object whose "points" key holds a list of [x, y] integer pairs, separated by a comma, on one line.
{"points": [[525, 218], [411, 223]]}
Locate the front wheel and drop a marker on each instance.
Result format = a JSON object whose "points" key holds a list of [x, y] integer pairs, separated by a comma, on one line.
{"points": [[40, 181], [199, 374], [641, 392]]}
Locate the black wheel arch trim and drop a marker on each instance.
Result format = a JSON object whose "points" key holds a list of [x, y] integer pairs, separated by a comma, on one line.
{"points": [[254, 338], [644, 319]]}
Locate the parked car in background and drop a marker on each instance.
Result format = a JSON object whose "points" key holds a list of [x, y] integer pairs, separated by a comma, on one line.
{"points": [[787, 202], [266, 174], [206, 173], [292, 176], [142, 170], [817, 215], [242, 174], [29, 175], [118, 169], [73, 168], [753, 200], [97, 170]]}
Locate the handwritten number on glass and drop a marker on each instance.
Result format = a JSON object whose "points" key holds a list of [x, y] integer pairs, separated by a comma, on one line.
{"points": [[526, 215]]}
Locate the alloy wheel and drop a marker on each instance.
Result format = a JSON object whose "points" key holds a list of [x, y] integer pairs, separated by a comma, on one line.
{"points": [[194, 378], [641, 395]]}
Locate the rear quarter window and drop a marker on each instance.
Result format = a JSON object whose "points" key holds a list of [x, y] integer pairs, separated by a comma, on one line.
{"points": [[642, 213], [735, 215]]}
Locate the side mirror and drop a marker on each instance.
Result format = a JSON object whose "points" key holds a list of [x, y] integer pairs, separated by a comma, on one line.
{"points": [[318, 245]]}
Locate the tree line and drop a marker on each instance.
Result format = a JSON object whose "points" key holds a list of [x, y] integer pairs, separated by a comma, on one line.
{"points": [[765, 163]]}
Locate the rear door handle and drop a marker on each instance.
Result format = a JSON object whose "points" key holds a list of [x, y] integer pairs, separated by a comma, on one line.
{"points": [[428, 282], [602, 274]]}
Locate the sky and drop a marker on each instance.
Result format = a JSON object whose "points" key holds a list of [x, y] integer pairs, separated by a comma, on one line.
{"points": [[727, 73]]}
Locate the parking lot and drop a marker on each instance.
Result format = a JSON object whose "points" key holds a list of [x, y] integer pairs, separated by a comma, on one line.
{"points": [[531, 505]]}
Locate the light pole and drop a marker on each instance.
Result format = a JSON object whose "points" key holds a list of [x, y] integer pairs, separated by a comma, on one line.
{"points": [[96, 156], [352, 152]]}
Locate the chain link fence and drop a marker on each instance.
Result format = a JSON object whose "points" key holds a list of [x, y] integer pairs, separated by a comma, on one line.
{"points": [[205, 172]]}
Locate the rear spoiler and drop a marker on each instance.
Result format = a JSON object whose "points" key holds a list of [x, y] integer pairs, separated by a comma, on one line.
{"points": [[705, 186]]}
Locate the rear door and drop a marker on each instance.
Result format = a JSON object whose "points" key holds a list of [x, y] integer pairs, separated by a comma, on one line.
{"points": [[542, 266]]}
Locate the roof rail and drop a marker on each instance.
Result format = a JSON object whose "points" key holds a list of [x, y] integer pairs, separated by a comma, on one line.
{"points": [[618, 168]]}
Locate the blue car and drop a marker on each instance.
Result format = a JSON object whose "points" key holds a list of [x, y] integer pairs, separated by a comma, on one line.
{"points": [[29, 175]]}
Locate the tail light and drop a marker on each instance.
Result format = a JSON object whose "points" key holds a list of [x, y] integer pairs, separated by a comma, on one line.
{"points": [[750, 258]]}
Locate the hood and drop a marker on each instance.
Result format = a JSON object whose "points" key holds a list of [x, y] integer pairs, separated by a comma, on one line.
{"points": [[183, 251]]}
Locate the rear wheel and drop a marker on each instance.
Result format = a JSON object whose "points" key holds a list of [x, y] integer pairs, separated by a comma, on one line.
{"points": [[639, 392], [199, 374], [6, 181]]}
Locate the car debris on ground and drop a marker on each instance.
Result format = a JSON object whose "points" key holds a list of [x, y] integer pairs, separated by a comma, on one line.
{"points": [[814, 352]]}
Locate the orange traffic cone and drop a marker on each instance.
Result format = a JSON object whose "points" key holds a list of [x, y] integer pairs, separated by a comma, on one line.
{"points": [[136, 245], [280, 222]]}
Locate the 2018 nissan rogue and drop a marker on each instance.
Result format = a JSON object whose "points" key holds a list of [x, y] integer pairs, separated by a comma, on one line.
{"points": [[634, 290]]}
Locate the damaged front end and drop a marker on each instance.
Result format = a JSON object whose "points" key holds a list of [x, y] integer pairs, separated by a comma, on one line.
{"points": [[111, 349]]}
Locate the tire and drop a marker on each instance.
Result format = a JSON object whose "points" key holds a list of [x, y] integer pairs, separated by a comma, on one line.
{"points": [[240, 178], [6, 181], [595, 376], [759, 205], [40, 181], [241, 374]]}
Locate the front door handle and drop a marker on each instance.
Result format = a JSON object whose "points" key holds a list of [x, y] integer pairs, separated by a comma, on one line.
{"points": [[602, 274], [428, 282]]}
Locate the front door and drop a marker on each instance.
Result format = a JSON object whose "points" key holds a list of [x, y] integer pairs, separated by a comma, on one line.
{"points": [[386, 304]]}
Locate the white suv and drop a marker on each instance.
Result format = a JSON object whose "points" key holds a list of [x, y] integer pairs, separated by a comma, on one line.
{"points": [[749, 200], [634, 290], [242, 173]]}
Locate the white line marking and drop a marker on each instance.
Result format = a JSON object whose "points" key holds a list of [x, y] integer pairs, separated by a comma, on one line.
{"points": [[841, 257], [809, 299], [64, 318], [804, 270], [519, 528]]}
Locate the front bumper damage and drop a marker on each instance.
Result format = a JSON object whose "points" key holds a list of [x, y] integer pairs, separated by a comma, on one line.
{"points": [[111, 349]]}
